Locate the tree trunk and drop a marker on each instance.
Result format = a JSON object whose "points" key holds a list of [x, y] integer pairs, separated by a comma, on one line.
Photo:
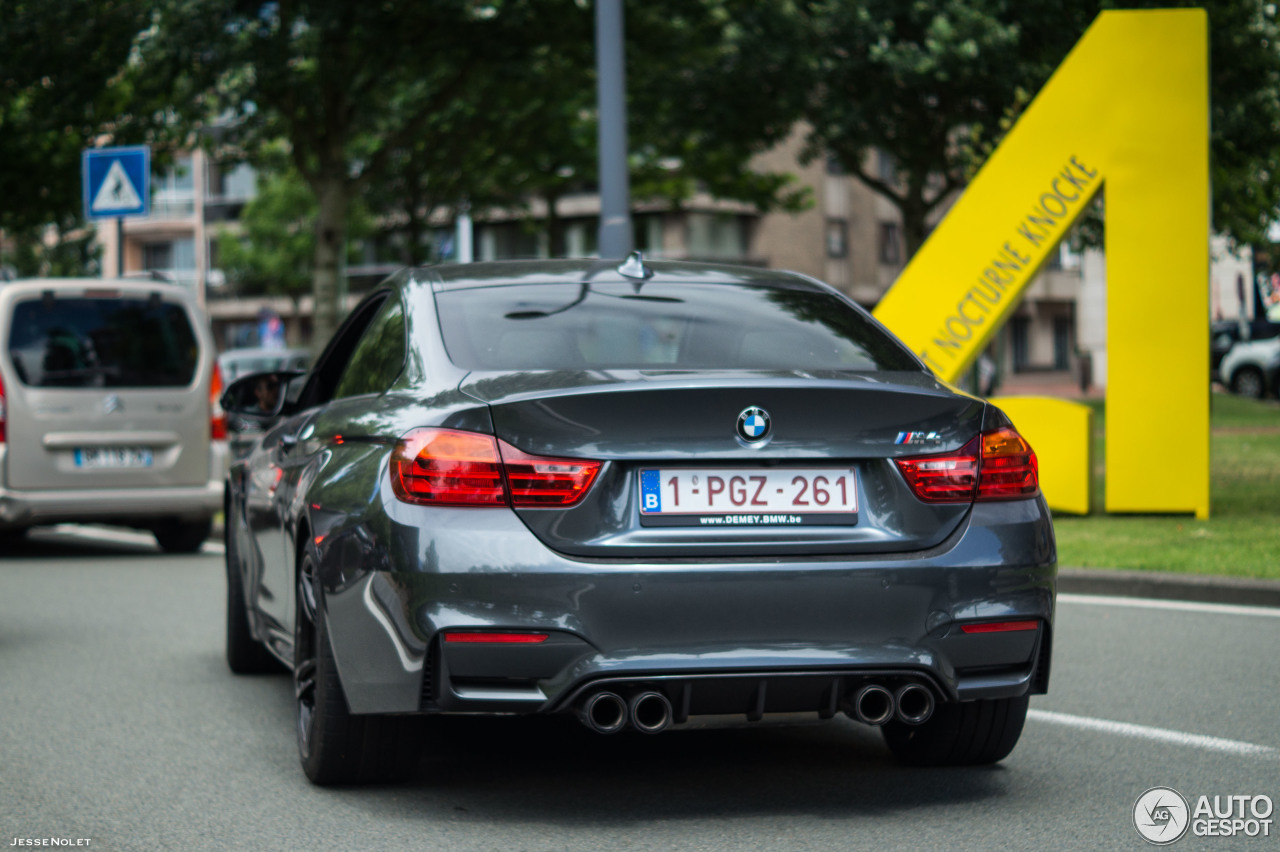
{"points": [[331, 229], [915, 228], [555, 226]]}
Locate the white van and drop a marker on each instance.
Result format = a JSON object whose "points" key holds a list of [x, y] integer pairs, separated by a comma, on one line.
{"points": [[109, 409]]}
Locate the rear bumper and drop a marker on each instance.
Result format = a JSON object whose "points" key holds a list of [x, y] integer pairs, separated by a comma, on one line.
{"points": [[121, 505], [786, 628]]}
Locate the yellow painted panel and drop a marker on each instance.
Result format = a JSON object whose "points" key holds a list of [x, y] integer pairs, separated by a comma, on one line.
{"points": [[1060, 430], [1128, 108]]}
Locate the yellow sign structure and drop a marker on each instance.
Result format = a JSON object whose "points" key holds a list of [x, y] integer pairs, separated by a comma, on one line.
{"points": [[1128, 108]]}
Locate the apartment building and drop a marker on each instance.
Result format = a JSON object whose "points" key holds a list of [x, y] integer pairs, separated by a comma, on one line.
{"points": [[850, 237]]}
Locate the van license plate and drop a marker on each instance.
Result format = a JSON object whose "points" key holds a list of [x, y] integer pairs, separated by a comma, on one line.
{"points": [[113, 457]]}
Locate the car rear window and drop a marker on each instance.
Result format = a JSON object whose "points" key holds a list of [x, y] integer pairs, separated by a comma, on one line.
{"points": [[102, 342], [661, 326]]}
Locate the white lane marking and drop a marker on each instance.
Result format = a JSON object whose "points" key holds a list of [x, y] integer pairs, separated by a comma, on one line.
{"points": [[122, 536], [1181, 606], [1164, 735]]}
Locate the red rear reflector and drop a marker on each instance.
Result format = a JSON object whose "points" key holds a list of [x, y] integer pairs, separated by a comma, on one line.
{"points": [[538, 481], [496, 638], [999, 626], [445, 467]]}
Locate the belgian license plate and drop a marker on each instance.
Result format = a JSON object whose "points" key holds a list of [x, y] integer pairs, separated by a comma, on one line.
{"points": [[748, 497], [113, 457]]}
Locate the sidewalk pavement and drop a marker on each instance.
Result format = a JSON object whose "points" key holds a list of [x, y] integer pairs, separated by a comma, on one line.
{"points": [[1245, 591]]}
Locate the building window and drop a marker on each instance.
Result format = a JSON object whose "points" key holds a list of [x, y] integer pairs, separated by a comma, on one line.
{"points": [[837, 238], [717, 235], [509, 241], [834, 166], [1020, 342], [1062, 343], [886, 166], [890, 244], [238, 182], [173, 192], [647, 229], [175, 257]]}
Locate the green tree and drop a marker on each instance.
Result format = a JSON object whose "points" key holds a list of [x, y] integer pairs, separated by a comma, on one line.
{"points": [[348, 85], [61, 88], [272, 250], [933, 83], [701, 107]]}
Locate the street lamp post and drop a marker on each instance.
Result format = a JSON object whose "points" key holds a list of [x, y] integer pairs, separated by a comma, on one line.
{"points": [[611, 96]]}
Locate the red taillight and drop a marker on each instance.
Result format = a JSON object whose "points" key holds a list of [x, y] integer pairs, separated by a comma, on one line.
{"points": [[217, 417], [945, 478], [1009, 467], [999, 626], [495, 638], [996, 465], [2, 431], [538, 481], [447, 467]]}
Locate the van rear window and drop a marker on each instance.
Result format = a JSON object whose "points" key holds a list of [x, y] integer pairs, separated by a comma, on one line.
{"points": [[102, 342]]}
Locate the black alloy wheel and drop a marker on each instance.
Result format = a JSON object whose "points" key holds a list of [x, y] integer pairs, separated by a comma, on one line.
{"points": [[335, 745], [967, 733], [178, 536], [1247, 382]]}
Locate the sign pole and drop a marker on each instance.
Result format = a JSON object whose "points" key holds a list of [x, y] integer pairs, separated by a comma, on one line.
{"points": [[119, 246]]}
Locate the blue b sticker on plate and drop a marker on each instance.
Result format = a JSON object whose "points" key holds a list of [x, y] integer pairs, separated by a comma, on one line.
{"points": [[650, 491]]}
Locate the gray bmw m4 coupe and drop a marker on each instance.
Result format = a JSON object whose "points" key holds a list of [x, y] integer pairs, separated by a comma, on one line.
{"points": [[637, 494]]}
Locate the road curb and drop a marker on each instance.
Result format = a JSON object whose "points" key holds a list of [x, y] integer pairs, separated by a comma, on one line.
{"points": [[1165, 586]]}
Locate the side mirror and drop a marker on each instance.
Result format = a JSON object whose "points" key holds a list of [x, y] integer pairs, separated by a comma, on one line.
{"points": [[261, 395]]}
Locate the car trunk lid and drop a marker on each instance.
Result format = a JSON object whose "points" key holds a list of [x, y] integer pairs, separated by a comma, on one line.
{"points": [[658, 430]]}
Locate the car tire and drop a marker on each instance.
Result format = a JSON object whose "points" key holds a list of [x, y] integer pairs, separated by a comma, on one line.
{"points": [[1247, 382], [966, 733], [245, 654], [335, 745], [175, 536]]}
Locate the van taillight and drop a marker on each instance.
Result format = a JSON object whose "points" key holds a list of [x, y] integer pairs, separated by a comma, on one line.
{"points": [[217, 417], [996, 465], [448, 467], [2, 429]]}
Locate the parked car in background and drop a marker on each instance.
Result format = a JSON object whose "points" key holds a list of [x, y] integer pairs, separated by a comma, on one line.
{"points": [[235, 363], [109, 408], [1223, 334], [1252, 368], [634, 494]]}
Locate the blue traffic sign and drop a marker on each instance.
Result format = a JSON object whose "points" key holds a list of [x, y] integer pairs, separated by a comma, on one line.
{"points": [[117, 182]]}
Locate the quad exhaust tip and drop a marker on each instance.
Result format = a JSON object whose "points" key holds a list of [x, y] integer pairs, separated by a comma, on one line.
{"points": [[650, 712], [873, 704], [604, 712], [914, 704]]}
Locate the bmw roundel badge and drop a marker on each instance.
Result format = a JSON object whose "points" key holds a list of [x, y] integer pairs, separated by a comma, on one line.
{"points": [[753, 424]]}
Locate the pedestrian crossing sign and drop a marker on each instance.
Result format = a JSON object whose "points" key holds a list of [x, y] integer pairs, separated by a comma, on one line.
{"points": [[117, 182]]}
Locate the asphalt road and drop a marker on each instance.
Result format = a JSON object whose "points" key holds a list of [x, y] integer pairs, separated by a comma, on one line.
{"points": [[120, 725]]}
